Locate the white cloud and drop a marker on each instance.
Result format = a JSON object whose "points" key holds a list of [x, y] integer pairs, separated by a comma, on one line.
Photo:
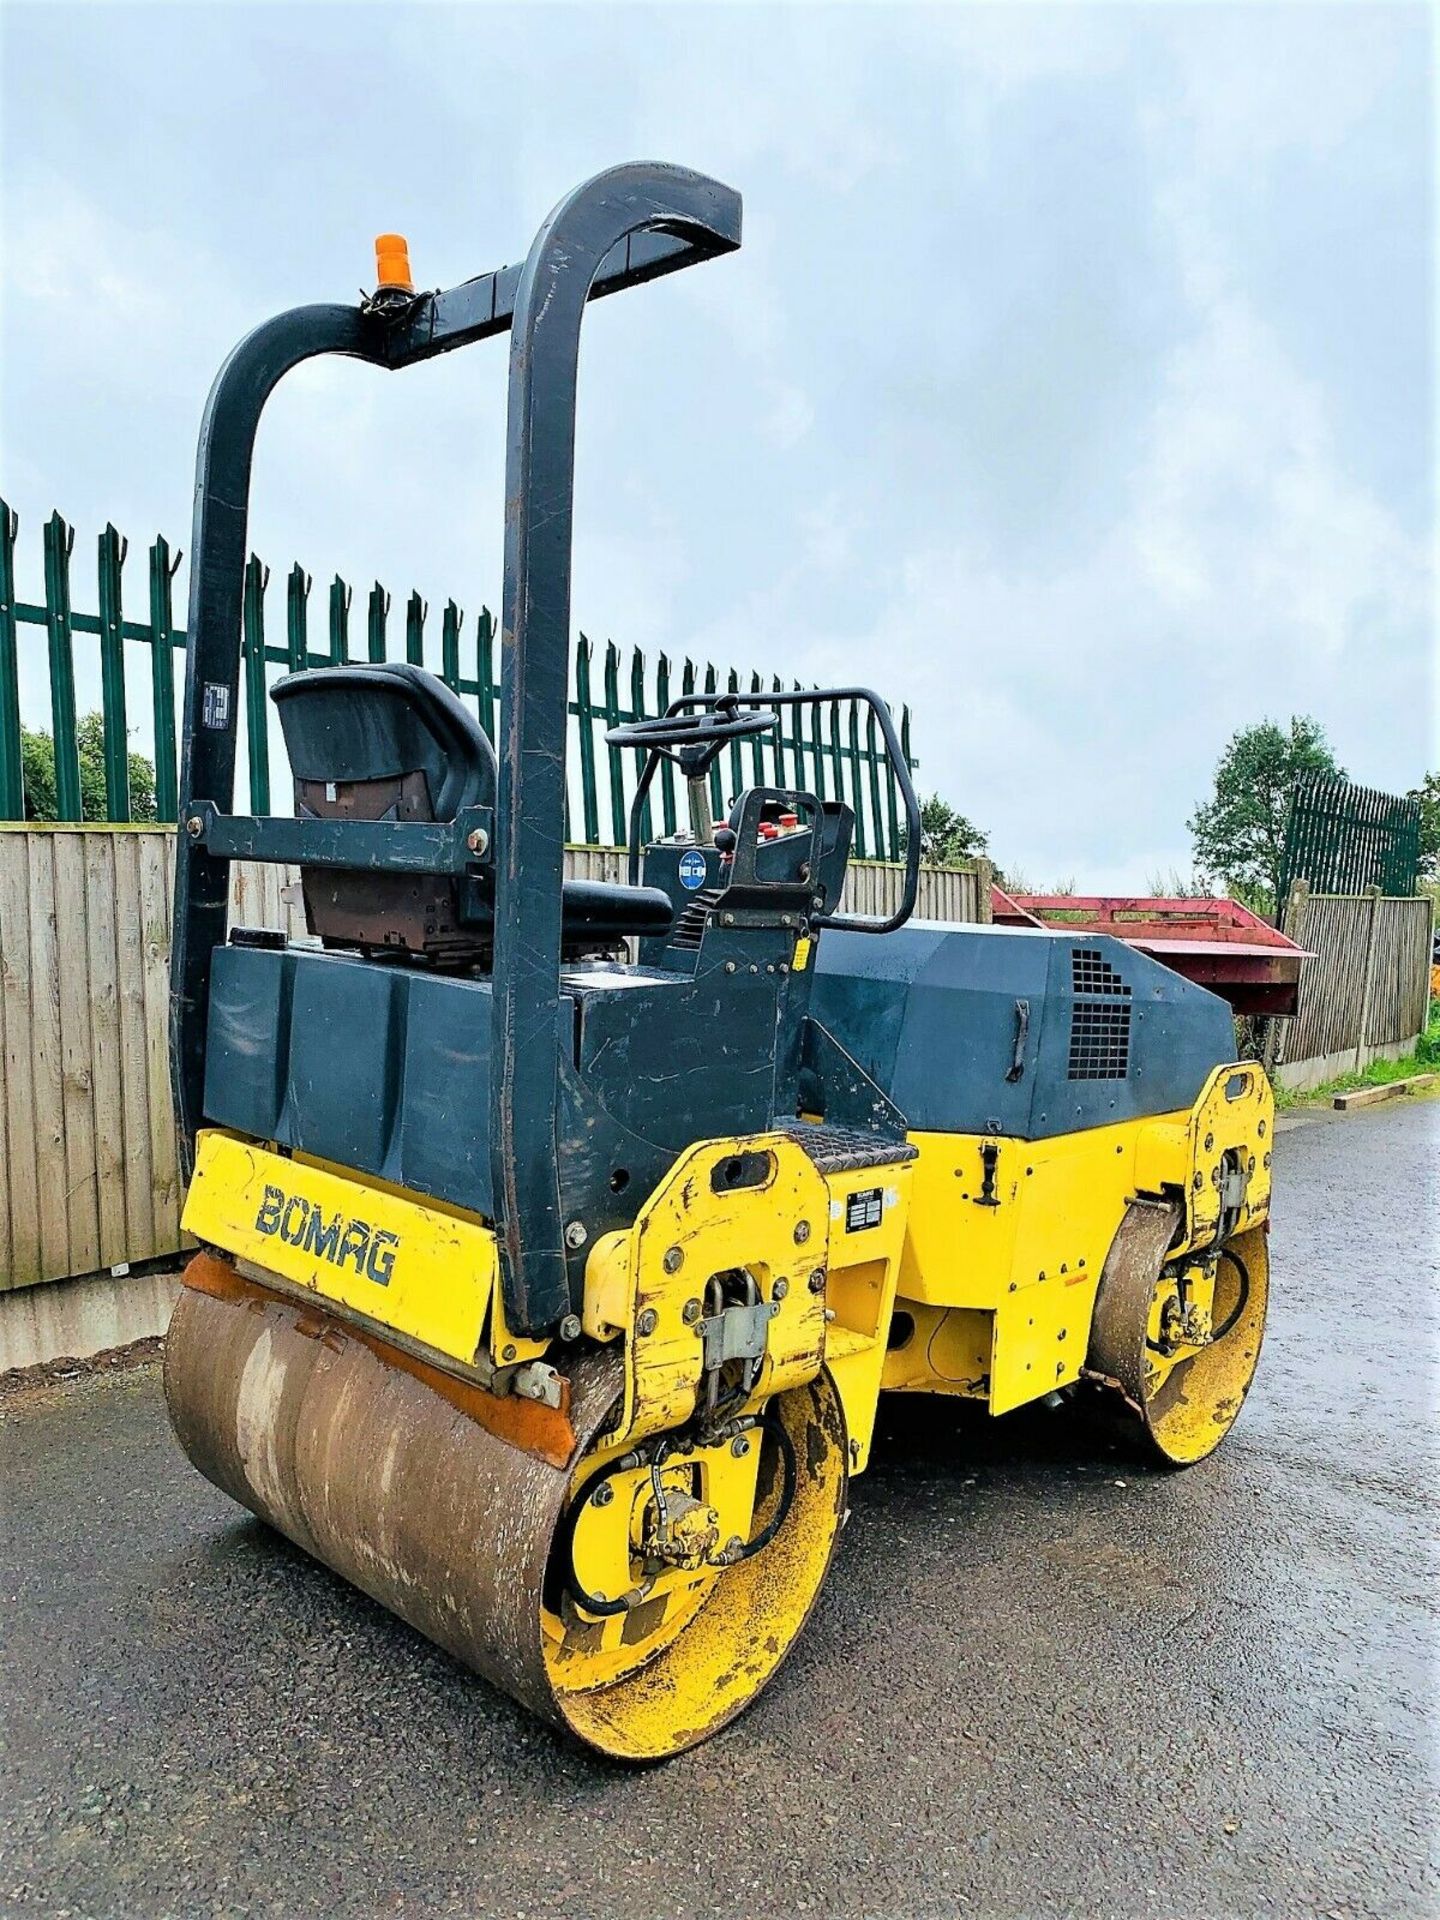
{"points": [[1078, 709], [1265, 81], [1246, 518]]}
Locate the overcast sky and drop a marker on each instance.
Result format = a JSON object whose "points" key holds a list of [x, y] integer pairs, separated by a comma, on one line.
{"points": [[1075, 381]]}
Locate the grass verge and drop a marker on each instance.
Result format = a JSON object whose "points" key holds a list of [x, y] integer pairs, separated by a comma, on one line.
{"points": [[1379, 1073]]}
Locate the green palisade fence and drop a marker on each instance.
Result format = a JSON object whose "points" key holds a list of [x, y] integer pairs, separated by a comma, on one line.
{"points": [[829, 752], [1344, 839]]}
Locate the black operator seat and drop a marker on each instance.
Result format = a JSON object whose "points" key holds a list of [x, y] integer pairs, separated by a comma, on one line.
{"points": [[390, 741]]}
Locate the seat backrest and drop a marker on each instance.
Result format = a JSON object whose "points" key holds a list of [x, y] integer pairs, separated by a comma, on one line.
{"points": [[381, 726], [384, 742], [391, 742]]}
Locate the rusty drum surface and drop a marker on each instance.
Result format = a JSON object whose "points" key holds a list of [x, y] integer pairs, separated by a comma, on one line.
{"points": [[368, 1469], [400, 1486]]}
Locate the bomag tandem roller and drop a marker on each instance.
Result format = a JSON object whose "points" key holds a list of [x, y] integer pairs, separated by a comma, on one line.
{"points": [[557, 1239]]}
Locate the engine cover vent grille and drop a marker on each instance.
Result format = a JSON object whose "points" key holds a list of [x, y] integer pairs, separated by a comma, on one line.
{"points": [[1099, 1019]]}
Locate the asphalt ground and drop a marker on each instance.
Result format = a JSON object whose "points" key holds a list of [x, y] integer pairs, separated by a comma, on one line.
{"points": [[1041, 1680]]}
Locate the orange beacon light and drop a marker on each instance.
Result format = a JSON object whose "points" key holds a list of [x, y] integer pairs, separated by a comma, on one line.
{"points": [[392, 263]]}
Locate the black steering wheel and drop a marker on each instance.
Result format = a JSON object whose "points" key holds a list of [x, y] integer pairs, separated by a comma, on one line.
{"points": [[694, 739]]}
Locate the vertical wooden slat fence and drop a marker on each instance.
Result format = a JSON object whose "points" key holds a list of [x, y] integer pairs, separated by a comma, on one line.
{"points": [[89, 1145], [1365, 992], [88, 1170], [826, 750]]}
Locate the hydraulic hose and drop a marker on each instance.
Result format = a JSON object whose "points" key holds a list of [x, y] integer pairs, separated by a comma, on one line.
{"points": [[1219, 1333], [565, 1543]]}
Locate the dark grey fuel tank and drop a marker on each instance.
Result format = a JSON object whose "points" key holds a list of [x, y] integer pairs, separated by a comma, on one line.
{"points": [[1014, 1031]]}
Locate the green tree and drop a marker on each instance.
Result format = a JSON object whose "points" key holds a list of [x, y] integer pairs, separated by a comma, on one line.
{"points": [[1239, 832], [37, 760], [946, 836], [1428, 794]]}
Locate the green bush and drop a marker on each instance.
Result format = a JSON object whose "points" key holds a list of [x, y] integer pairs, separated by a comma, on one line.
{"points": [[37, 760]]}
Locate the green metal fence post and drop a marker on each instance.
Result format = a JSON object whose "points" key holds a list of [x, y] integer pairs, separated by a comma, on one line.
{"points": [[585, 724], [817, 747], [613, 716], [757, 744], [853, 755], [872, 755], [377, 612], [892, 851], [161, 640], [485, 669], [797, 742], [297, 618], [637, 706], [12, 759], [415, 612], [450, 625], [59, 544], [717, 791], [911, 764], [110, 559], [835, 751], [667, 769], [737, 763], [339, 622], [257, 736], [778, 738]]}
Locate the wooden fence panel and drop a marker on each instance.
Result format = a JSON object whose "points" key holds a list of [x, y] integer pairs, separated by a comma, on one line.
{"points": [[90, 1174], [20, 1225], [134, 1070], [76, 990], [156, 856], [48, 1118], [101, 902], [1365, 992]]}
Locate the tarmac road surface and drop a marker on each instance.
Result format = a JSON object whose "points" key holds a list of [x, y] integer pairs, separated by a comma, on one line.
{"points": [[1041, 1680]]}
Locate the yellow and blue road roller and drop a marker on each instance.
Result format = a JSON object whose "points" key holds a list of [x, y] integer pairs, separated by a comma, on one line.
{"points": [[557, 1239]]}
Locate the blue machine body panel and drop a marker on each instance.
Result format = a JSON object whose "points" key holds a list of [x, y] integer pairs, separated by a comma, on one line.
{"points": [[1018, 1031], [386, 1068], [381, 1068]]}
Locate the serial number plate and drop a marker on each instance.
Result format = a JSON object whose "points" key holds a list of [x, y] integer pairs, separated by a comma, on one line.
{"points": [[864, 1209]]}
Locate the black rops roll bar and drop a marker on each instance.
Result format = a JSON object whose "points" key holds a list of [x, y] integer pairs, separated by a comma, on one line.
{"points": [[628, 225], [815, 696]]}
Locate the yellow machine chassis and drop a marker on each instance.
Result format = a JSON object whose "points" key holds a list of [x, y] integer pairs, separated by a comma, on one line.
{"points": [[994, 1268], [997, 1289], [978, 1278]]}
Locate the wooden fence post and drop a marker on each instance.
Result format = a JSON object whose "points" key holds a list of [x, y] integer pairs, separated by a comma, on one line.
{"points": [[984, 880], [1290, 918], [1367, 992]]}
